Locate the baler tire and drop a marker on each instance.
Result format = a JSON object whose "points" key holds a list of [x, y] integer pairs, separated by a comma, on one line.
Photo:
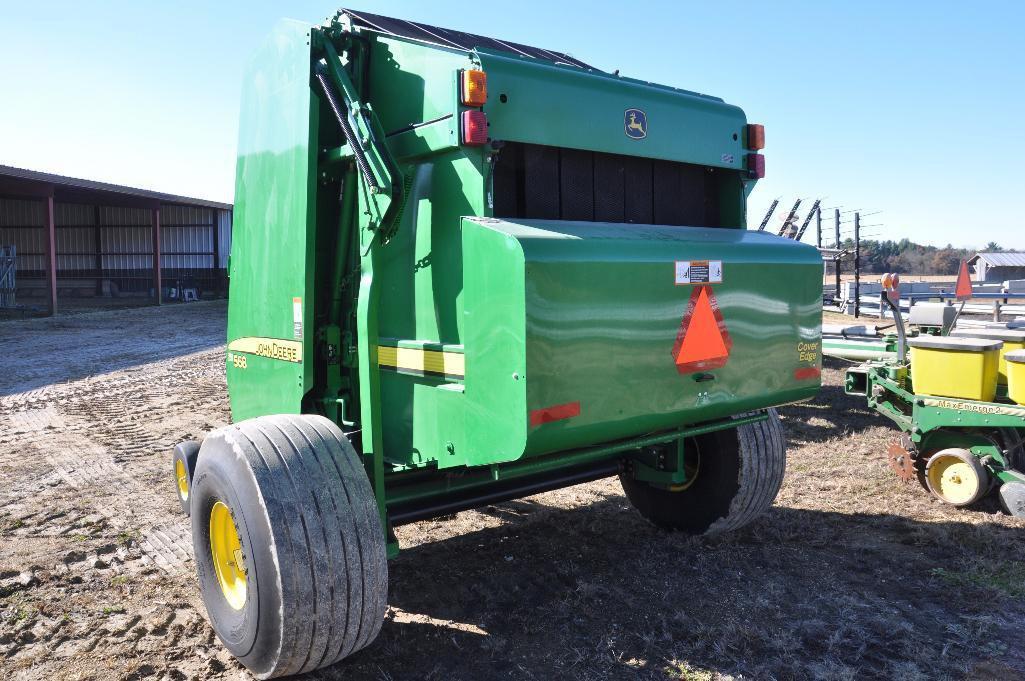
{"points": [[741, 471], [313, 584], [183, 466]]}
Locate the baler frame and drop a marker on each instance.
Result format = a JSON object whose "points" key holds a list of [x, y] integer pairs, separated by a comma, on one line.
{"points": [[366, 164]]}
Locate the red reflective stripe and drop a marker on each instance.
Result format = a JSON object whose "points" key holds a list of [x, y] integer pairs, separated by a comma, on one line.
{"points": [[805, 373], [555, 413]]}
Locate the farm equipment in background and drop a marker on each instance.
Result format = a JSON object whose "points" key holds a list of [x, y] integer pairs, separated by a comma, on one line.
{"points": [[464, 271], [956, 392]]}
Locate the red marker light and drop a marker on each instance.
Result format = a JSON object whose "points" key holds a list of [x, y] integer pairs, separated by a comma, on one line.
{"points": [[755, 166], [475, 128]]}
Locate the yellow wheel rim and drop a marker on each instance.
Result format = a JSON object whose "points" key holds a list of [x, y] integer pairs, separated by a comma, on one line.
{"points": [[226, 550], [183, 479], [953, 480]]}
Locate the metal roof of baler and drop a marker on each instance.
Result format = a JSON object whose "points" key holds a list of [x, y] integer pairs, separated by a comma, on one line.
{"points": [[449, 38]]}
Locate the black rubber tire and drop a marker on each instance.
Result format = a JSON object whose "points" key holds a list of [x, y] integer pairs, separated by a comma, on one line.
{"points": [[741, 470], [1014, 443], [186, 452], [1012, 498], [311, 537]]}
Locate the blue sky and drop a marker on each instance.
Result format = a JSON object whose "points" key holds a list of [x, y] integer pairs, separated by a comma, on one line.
{"points": [[913, 109]]}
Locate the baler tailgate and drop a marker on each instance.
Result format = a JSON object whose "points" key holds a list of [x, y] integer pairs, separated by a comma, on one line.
{"points": [[629, 329]]}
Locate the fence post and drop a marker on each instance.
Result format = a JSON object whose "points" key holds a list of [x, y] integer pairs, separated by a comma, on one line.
{"points": [[839, 260], [857, 265]]}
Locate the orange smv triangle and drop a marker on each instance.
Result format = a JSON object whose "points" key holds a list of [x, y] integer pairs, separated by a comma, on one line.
{"points": [[702, 342], [963, 290]]}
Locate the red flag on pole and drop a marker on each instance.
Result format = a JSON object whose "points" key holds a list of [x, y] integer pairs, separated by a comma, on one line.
{"points": [[963, 290]]}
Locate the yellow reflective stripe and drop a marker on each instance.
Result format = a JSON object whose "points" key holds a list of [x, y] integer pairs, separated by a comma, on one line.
{"points": [[422, 361], [272, 348]]}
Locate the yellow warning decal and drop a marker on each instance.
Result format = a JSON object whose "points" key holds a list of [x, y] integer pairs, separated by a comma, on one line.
{"points": [[271, 348], [421, 362]]}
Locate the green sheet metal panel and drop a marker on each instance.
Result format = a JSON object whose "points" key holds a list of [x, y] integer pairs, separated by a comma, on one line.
{"points": [[272, 243], [420, 275], [601, 314], [565, 106], [412, 83]]}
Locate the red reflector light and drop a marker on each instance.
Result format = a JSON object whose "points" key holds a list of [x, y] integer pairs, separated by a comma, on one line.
{"points": [[755, 136], [756, 166], [806, 373], [475, 128], [555, 413], [473, 88]]}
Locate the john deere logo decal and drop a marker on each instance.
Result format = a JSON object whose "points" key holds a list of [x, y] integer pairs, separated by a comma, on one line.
{"points": [[635, 124]]}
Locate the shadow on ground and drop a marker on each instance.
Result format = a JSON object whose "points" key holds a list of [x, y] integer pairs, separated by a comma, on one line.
{"points": [[596, 592]]}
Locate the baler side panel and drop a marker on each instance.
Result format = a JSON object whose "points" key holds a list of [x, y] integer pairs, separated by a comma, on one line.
{"points": [[412, 84], [496, 361], [271, 279], [419, 271]]}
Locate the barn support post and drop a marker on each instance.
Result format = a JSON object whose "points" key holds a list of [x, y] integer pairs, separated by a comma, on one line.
{"points": [[98, 248], [215, 234], [51, 255], [157, 279]]}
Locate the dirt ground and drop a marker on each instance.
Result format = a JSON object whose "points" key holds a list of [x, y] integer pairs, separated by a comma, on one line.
{"points": [[851, 575]]}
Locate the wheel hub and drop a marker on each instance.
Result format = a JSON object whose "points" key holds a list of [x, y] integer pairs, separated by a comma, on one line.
{"points": [[183, 479], [956, 477], [228, 559]]}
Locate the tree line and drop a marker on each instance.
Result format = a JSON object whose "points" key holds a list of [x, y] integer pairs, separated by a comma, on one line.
{"points": [[907, 257]]}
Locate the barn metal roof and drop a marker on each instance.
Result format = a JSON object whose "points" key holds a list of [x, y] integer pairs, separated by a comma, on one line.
{"points": [[457, 39], [1004, 259], [115, 191]]}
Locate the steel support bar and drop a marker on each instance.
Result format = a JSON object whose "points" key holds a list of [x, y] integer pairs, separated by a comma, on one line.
{"points": [[157, 278], [51, 254], [494, 494], [562, 460], [768, 214], [807, 220]]}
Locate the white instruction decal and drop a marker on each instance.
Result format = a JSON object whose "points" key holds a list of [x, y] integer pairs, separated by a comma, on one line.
{"points": [[698, 272], [297, 318]]}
